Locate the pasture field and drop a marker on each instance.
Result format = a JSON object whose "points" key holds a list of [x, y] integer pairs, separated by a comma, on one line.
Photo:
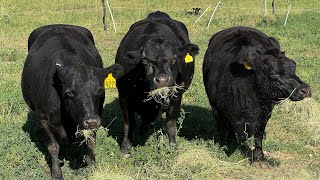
{"points": [[292, 145]]}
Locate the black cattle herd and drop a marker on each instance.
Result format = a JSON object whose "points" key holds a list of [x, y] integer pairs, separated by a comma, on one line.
{"points": [[244, 73]]}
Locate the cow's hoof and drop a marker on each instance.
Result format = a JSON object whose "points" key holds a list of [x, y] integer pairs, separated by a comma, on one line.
{"points": [[256, 155], [56, 174], [89, 160], [126, 156], [125, 147], [173, 146]]}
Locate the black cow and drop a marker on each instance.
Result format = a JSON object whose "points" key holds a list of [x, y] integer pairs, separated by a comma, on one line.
{"points": [[245, 75], [62, 81], [195, 11], [155, 53]]}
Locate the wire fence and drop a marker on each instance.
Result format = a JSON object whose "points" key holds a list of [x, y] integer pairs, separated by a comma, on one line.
{"points": [[126, 14], [35, 13]]}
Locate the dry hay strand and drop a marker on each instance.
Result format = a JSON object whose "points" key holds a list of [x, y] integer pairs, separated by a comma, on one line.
{"points": [[88, 134], [200, 164], [305, 115], [163, 95], [109, 173]]}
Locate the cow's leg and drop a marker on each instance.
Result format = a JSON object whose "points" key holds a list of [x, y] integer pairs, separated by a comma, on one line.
{"points": [[221, 135], [90, 157], [257, 154], [171, 123], [128, 126], [61, 133], [53, 148], [145, 125], [148, 120]]}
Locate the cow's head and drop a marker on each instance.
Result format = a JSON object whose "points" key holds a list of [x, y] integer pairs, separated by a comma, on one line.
{"points": [[158, 59], [275, 73], [83, 92], [196, 11]]}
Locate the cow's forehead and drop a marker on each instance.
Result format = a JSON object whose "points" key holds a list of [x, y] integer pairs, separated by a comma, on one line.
{"points": [[283, 65], [158, 47], [152, 54], [81, 77]]}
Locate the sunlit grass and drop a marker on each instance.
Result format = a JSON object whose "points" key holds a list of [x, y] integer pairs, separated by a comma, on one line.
{"points": [[292, 132]]}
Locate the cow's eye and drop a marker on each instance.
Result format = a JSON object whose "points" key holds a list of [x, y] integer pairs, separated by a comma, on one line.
{"points": [[69, 94], [274, 76], [145, 62], [173, 61]]}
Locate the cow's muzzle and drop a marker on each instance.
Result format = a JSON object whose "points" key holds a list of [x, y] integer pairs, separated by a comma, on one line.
{"points": [[305, 91], [162, 80], [91, 122], [302, 92]]}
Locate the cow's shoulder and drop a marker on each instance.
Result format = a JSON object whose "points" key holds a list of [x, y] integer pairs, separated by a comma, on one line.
{"points": [[158, 15], [164, 18]]}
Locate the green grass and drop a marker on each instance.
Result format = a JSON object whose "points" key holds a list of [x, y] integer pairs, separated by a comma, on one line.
{"points": [[292, 144]]}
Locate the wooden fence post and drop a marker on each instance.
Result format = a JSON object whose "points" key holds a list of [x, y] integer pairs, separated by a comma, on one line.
{"points": [[104, 15]]}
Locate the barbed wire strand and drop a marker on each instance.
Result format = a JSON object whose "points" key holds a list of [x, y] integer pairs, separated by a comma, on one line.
{"points": [[148, 10]]}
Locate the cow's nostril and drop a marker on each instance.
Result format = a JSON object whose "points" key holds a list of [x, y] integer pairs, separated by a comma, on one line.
{"points": [[161, 81], [85, 123], [91, 123], [306, 92], [167, 79], [157, 80]]}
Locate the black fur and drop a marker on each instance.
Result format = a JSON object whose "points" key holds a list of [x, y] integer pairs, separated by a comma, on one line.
{"points": [[62, 81], [242, 98], [152, 54]]}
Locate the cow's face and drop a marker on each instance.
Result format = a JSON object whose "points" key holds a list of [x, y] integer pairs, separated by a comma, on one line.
{"points": [[83, 93], [276, 75], [158, 59]]}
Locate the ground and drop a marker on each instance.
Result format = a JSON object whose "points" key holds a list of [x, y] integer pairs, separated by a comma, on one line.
{"points": [[292, 145]]}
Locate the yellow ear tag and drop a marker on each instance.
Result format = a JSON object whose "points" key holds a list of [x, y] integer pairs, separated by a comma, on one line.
{"points": [[247, 66], [110, 82], [188, 58]]}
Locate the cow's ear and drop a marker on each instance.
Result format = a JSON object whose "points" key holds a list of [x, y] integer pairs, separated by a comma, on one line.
{"points": [[116, 70], [192, 49]]}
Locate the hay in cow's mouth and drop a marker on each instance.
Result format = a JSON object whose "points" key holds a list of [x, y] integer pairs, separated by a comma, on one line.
{"points": [[163, 95], [88, 135]]}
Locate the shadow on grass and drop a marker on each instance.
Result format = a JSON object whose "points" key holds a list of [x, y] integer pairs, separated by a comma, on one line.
{"points": [[71, 152], [198, 124]]}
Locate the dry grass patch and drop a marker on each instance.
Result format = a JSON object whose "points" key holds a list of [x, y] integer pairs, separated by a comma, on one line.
{"points": [[107, 174], [304, 116], [200, 164]]}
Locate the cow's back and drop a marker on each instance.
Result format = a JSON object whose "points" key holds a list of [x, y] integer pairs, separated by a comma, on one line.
{"points": [[157, 23], [79, 31]]}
